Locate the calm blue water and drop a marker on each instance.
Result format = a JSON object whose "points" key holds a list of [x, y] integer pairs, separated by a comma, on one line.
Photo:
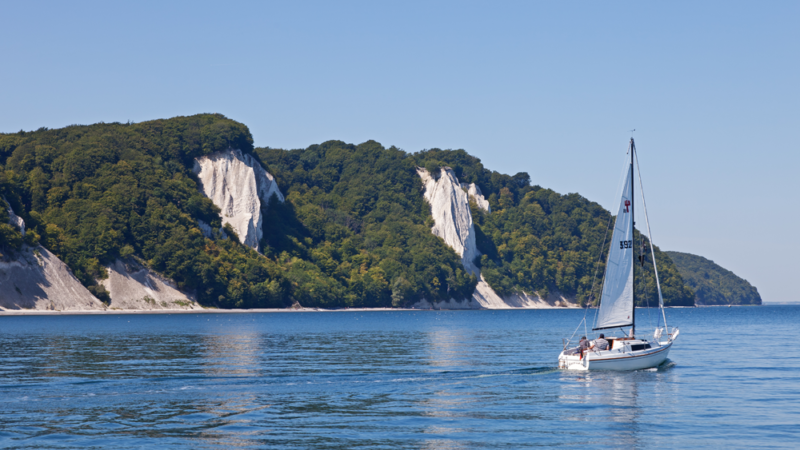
{"points": [[342, 380]]}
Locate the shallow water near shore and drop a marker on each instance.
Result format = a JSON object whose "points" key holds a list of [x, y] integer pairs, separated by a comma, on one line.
{"points": [[391, 379]]}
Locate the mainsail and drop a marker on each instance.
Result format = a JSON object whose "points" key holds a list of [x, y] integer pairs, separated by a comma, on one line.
{"points": [[616, 303]]}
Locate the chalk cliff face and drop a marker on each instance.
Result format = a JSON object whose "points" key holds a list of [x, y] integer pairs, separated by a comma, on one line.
{"points": [[133, 286], [37, 279], [238, 185], [453, 223], [451, 215], [475, 192], [16, 221], [34, 278]]}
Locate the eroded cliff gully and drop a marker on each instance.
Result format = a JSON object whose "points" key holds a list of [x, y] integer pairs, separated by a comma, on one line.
{"points": [[453, 223]]}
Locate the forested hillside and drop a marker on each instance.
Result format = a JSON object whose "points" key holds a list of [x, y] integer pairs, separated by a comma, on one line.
{"points": [[354, 230], [712, 284], [538, 240], [94, 193], [369, 198]]}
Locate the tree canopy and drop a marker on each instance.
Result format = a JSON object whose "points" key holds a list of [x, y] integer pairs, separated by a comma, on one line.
{"points": [[357, 213], [712, 284], [354, 230], [91, 194], [538, 240]]}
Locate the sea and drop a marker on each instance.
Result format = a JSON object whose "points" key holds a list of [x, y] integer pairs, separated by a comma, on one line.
{"points": [[392, 380]]}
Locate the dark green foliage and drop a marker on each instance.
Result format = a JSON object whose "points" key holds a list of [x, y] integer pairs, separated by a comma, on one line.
{"points": [[538, 240], [352, 230], [100, 192], [712, 284], [10, 237]]}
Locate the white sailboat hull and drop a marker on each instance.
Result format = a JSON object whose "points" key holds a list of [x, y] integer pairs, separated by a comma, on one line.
{"points": [[617, 359]]}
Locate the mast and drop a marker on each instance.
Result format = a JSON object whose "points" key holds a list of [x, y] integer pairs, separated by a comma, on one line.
{"points": [[633, 252]]}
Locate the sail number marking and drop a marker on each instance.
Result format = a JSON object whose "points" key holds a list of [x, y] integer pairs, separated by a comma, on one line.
{"points": [[625, 244]]}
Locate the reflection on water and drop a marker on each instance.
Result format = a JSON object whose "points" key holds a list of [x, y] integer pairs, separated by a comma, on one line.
{"points": [[231, 354], [623, 404], [446, 348], [381, 380]]}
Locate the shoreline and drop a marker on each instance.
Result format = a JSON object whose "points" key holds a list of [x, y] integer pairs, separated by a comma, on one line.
{"points": [[33, 312]]}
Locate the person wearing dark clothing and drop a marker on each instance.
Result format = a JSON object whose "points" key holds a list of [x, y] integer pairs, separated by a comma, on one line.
{"points": [[600, 343], [583, 345]]}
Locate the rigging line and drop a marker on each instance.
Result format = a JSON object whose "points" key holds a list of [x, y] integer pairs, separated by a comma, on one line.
{"points": [[647, 302], [647, 289], [642, 253], [644, 294], [576, 330], [585, 330], [652, 245]]}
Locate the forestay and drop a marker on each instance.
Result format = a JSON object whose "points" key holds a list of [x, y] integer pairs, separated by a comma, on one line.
{"points": [[616, 303]]}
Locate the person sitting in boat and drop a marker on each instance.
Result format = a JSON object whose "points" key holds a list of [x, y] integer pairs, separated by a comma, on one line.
{"points": [[583, 345], [600, 343]]}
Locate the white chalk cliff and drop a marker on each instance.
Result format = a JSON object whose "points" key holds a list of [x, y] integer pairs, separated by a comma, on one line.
{"points": [[475, 192], [451, 216], [36, 279], [453, 223], [15, 220], [133, 286], [238, 185]]}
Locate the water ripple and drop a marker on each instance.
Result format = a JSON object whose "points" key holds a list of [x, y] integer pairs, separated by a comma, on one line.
{"points": [[439, 380]]}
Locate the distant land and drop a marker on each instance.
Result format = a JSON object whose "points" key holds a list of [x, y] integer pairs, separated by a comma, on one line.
{"points": [[713, 284], [185, 213]]}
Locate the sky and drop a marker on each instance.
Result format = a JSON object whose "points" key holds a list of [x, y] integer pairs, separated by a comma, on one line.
{"points": [[549, 88]]}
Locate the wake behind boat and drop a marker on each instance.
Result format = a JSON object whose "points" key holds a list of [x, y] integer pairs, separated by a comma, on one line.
{"points": [[618, 301]]}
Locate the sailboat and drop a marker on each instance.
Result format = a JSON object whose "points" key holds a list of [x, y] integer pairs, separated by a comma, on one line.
{"points": [[617, 309]]}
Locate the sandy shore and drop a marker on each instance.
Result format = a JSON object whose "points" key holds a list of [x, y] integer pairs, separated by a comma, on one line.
{"points": [[32, 312]]}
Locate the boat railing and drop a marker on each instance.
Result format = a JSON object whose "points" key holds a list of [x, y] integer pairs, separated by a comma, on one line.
{"points": [[674, 333], [671, 334]]}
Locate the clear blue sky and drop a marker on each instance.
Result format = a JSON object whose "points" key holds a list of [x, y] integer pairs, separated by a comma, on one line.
{"points": [[712, 88]]}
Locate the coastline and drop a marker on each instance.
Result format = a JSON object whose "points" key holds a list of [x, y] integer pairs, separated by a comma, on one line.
{"points": [[33, 312]]}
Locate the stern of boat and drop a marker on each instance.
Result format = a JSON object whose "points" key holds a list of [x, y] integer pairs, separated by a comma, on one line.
{"points": [[567, 360]]}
